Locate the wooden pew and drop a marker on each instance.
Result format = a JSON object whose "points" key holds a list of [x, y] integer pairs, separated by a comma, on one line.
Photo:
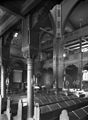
{"points": [[7, 112], [0, 105], [36, 112], [19, 111], [47, 105], [6, 115], [51, 106], [79, 114]]}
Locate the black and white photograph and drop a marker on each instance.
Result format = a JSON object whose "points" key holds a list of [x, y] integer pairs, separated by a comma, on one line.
{"points": [[43, 59]]}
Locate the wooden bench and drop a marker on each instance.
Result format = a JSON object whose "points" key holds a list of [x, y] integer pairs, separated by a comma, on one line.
{"points": [[6, 115], [48, 107], [79, 114], [51, 106], [19, 111]]}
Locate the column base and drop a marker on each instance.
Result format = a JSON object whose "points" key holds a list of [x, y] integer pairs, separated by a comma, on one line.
{"points": [[30, 119]]}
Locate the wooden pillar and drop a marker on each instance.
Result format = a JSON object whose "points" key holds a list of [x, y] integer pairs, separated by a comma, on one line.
{"points": [[57, 48], [67, 7], [26, 54], [0, 105], [81, 56], [29, 88], [2, 81], [80, 64], [2, 71]]}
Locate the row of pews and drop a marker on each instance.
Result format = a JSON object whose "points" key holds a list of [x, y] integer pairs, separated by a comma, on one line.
{"points": [[51, 107], [6, 114], [46, 107]]}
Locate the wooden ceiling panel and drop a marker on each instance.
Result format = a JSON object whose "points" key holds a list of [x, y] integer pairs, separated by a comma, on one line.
{"points": [[13, 6], [4, 18], [79, 15]]}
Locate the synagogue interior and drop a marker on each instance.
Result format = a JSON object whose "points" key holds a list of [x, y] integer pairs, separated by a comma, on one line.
{"points": [[43, 60]]}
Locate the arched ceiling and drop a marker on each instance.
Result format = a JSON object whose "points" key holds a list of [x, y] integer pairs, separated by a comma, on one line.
{"points": [[12, 11], [75, 26], [38, 9], [78, 16]]}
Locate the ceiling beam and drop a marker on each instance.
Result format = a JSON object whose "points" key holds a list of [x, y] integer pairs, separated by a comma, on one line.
{"points": [[46, 31], [67, 6], [15, 17], [10, 11], [82, 32], [28, 5], [71, 42], [73, 26], [76, 45], [9, 23]]}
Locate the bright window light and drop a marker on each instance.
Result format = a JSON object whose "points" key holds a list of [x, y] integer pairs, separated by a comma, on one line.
{"points": [[84, 49], [85, 75], [16, 34], [64, 55]]}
